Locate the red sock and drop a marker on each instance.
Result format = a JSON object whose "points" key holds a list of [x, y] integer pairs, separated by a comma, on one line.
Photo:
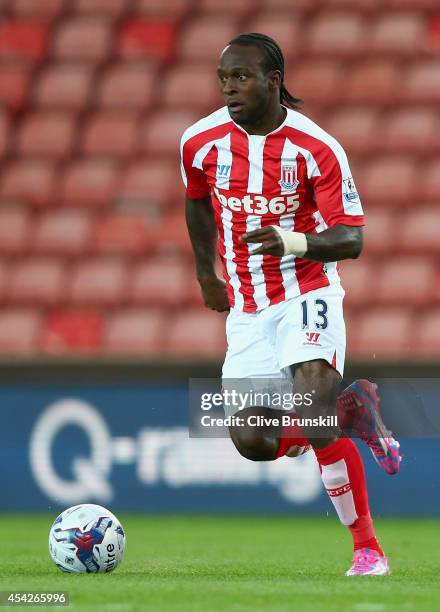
{"points": [[343, 476], [291, 435]]}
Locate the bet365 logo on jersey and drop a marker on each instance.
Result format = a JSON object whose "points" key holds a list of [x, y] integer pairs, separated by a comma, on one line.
{"points": [[256, 204]]}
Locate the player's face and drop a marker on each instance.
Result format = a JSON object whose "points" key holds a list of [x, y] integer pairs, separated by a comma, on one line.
{"points": [[246, 88]]}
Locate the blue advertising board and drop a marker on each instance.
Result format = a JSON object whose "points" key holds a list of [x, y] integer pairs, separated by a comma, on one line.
{"points": [[127, 446]]}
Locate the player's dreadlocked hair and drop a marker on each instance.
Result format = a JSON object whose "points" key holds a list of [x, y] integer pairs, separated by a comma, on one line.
{"points": [[273, 60]]}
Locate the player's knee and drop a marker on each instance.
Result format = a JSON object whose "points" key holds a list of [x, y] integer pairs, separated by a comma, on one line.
{"points": [[252, 446]]}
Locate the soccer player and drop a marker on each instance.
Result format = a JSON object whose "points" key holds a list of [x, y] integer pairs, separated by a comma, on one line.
{"points": [[277, 192]]}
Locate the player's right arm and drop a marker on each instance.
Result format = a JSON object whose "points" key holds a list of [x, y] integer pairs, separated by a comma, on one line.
{"points": [[203, 234]]}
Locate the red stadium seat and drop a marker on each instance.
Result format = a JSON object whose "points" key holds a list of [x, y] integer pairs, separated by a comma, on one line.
{"points": [[285, 28], [429, 181], [162, 131], [411, 130], [19, 329], [419, 230], [206, 37], [426, 337], [365, 6], [83, 38], [66, 331], [149, 181], [397, 34], [22, 40], [46, 134], [42, 9], [4, 132], [336, 34], [28, 181], [99, 281], [300, 5], [109, 134], [110, 8], [355, 128], [15, 225], [421, 82], [13, 85], [64, 86], [174, 238], [89, 183], [66, 232], [382, 333], [196, 333], [127, 86], [406, 281], [146, 38], [37, 281], [171, 9], [123, 233], [135, 332], [160, 281], [413, 4], [389, 180], [357, 277], [317, 81], [380, 231], [4, 270], [229, 7], [377, 82], [183, 80]]}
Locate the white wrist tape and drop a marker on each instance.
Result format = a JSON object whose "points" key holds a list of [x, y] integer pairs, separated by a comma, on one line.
{"points": [[294, 243]]}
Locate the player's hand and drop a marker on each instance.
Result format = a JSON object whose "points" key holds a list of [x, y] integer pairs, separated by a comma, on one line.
{"points": [[270, 239], [214, 293]]}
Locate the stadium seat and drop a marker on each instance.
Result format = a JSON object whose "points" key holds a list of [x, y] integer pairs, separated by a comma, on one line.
{"points": [[171, 9], [380, 231], [89, 183], [110, 8], [421, 82], [318, 81], [355, 128], [149, 181], [65, 86], [22, 40], [127, 86], [426, 336], [160, 281], [205, 38], [382, 332], [41, 9], [410, 130], [373, 82], [339, 34], [123, 233], [162, 131], [397, 34], [429, 181], [83, 38], [146, 38], [389, 180], [4, 132], [4, 274], [183, 80], [109, 134], [364, 6], [28, 181], [174, 238], [418, 231], [66, 232], [67, 331], [37, 282], [13, 85], [405, 281], [15, 226], [285, 28], [46, 134], [99, 281], [229, 7], [357, 278], [285, 5], [19, 329], [416, 5], [135, 332], [196, 333]]}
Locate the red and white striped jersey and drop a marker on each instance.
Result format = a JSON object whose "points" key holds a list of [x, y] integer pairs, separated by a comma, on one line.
{"points": [[296, 177]]}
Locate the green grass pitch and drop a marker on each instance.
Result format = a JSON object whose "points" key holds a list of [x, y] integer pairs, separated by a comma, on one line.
{"points": [[232, 564]]}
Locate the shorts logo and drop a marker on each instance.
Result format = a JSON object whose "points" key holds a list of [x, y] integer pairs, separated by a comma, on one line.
{"points": [[288, 180], [312, 338]]}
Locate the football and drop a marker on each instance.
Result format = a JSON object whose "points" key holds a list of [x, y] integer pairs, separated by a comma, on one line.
{"points": [[87, 539]]}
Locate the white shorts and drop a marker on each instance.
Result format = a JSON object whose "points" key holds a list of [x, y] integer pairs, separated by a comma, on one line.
{"points": [[264, 344]]}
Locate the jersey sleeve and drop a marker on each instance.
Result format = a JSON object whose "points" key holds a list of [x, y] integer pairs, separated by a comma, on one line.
{"points": [[336, 195], [193, 178]]}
